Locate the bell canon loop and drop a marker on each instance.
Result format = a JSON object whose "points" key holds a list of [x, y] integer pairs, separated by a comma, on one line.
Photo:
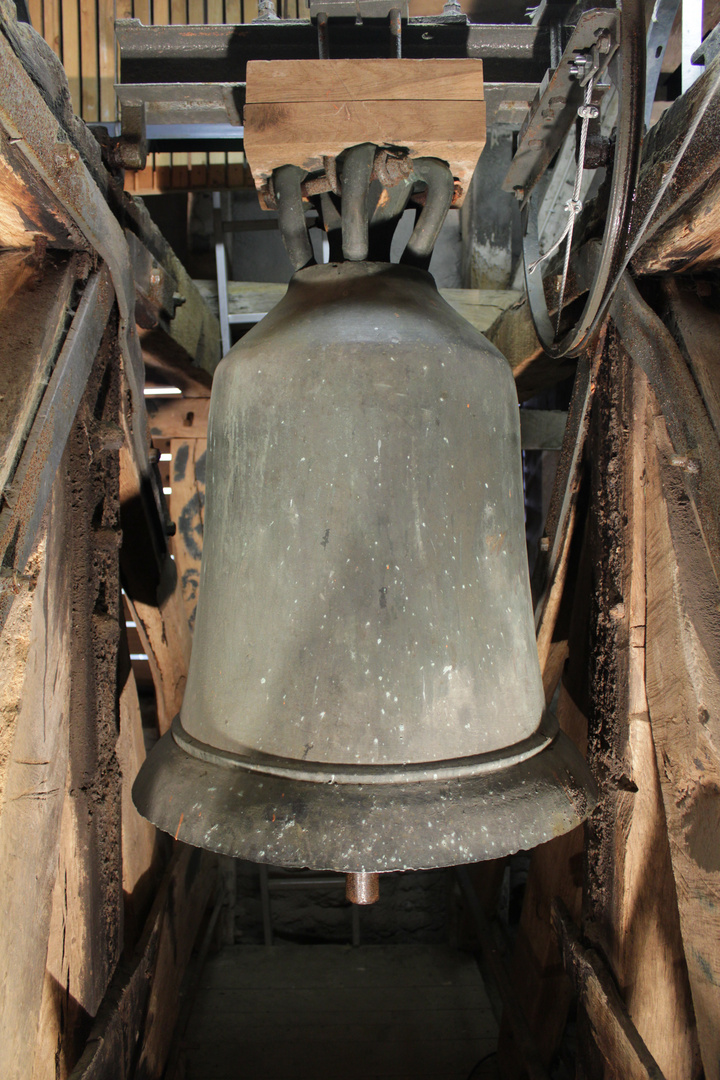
{"points": [[364, 691]]}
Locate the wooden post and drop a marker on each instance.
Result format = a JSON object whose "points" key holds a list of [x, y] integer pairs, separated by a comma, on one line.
{"points": [[84, 937], [630, 909], [683, 689]]}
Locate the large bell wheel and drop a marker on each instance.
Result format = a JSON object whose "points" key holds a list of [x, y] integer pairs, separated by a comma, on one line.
{"points": [[626, 70]]}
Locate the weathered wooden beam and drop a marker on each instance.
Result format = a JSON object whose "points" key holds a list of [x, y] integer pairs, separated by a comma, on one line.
{"points": [[695, 325], [29, 212], [33, 797], [683, 693], [616, 1035], [86, 929], [26, 496], [696, 448], [479, 306], [36, 299], [684, 233]]}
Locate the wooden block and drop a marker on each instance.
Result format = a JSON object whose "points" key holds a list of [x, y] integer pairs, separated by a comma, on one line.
{"points": [[357, 80], [301, 111]]}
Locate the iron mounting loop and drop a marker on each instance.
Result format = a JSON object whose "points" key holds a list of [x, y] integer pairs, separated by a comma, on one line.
{"points": [[440, 190], [291, 215], [356, 172]]}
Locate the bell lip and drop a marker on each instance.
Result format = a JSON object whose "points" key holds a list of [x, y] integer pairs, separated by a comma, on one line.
{"points": [[365, 828], [320, 772]]}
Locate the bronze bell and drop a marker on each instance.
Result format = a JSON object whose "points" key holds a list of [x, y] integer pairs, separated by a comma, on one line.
{"points": [[364, 691]]}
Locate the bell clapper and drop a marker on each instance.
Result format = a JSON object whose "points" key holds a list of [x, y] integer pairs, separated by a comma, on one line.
{"points": [[362, 888]]}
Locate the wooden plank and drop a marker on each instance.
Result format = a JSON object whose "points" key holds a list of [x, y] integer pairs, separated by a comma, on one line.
{"points": [[52, 28], [683, 691], [33, 801], [617, 1038], [108, 65], [85, 936], [684, 233], [161, 12], [479, 306], [696, 328], [141, 11], [187, 509], [457, 80], [33, 478], [89, 72], [633, 901], [29, 213], [233, 12], [35, 11], [696, 449], [304, 132], [33, 322], [70, 16]]}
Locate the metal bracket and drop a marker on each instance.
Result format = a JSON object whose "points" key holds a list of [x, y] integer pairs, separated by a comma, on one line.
{"points": [[591, 46], [130, 150]]}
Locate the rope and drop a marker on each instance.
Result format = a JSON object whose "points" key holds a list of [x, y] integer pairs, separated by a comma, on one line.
{"points": [[573, 206]]}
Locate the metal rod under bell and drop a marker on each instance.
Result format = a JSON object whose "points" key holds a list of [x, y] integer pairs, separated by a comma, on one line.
{"points": [[362, 888]]}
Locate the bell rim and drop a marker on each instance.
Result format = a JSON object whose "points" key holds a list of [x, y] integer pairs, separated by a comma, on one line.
{"points": [[361, 828], [349, 773]]}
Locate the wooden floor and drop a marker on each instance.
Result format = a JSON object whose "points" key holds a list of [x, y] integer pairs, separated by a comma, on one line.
{"points": [[311, 1012]]}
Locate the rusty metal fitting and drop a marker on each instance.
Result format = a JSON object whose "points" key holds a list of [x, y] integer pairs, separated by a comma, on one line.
{"points": [[362, 888], [391, 167]]}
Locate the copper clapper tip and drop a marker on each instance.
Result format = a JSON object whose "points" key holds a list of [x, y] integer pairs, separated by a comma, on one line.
{"points": [[362, 888]]}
